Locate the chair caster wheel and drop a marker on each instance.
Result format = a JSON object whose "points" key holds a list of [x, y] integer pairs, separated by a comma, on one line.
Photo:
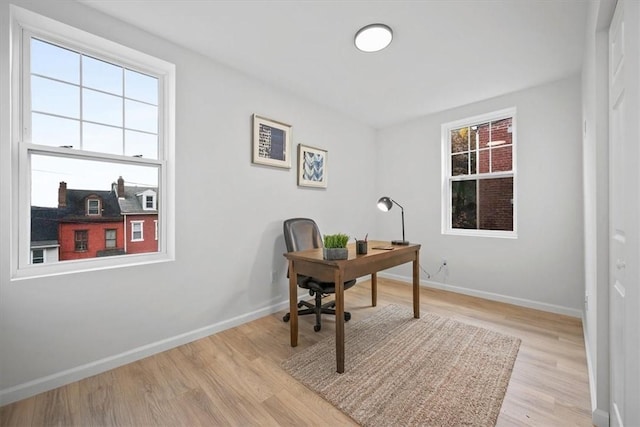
{"points": [[317, 327], [347, 317], [286, 317]]}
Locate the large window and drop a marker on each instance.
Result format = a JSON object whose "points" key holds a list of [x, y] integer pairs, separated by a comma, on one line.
{"points": [[96, 120], [479, 175]]}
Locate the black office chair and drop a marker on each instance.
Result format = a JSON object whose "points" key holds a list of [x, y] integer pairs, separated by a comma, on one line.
{"points": [[301, 234]]}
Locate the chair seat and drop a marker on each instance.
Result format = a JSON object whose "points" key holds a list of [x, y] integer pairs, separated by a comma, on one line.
{"points": [[324, 287]]}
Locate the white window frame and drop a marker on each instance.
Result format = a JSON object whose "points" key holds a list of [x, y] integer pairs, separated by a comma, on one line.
{"points": [[133, 224], [447, 179], [115, 238], [94, 199], [25, 21], [144, 196]]}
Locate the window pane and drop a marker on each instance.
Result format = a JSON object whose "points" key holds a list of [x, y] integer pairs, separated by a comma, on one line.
{"points": [[460, 140], [140, 144], [103, 139], [48, 171], [38, 256], [496, 204], [472, 162], [50, 96], [64, 191], [110, 239], [460, 164], [141, 116], [483, 135], [463, 204], [101, 108], [501, 131], [55, 62], [54, 131], [483, 162], [101, 75], [94, 207], [141, 87], [473, 137], [501, 159]]}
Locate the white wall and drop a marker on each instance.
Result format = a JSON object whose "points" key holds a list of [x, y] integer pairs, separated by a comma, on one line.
{"points": [[229, 217], [544, 266]]}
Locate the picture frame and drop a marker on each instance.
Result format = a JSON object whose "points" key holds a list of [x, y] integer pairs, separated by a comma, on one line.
{"points": [[312, 166], [271, 142]]}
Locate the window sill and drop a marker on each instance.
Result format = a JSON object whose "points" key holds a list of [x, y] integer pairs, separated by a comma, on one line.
{"points": [[481, 233], [34, 271]]}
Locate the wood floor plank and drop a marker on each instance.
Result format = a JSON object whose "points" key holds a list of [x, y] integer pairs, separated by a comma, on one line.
{"points": [[235, 378]]}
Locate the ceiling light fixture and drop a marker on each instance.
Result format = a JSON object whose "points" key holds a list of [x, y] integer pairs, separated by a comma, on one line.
{"points": [[373, 37]]}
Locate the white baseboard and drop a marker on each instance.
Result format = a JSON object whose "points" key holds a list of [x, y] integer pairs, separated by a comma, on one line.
{"points": [[552, 308], [600, 418], [50, 382]]}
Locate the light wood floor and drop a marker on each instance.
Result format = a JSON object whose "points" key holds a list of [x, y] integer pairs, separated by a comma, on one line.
{"points": [[234, 378]]}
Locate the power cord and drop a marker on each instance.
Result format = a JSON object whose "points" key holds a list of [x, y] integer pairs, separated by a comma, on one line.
{"points": [[443, 265]]}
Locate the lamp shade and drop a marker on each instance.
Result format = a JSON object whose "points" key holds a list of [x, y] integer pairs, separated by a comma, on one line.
{"points": [[384, 204]]}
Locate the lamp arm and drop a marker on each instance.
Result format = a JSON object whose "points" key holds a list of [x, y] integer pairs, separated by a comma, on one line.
{"points": [[402, 211], [396, 203]]}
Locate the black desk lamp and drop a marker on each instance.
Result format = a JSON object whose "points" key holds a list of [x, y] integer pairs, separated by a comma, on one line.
{"points": [[385, 204]]}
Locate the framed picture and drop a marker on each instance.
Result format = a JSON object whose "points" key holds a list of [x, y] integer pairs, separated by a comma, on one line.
{"points": [[312, 167], [271, 142]]}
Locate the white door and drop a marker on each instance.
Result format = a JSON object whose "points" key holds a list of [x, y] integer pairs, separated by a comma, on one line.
{"points": [[624, 120]]}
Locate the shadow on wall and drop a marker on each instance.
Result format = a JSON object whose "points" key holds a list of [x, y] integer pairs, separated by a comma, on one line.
{"points": [[269, 268]]}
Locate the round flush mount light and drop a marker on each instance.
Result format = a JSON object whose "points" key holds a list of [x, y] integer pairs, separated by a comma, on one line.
{"points": [[373, 38]]}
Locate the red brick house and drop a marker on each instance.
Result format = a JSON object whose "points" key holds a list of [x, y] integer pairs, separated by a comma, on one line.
{"points": [[89, 224], [139, 209], [93, 223]]}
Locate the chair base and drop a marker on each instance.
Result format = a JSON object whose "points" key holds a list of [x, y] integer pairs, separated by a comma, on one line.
{"points": [[318, 309]]}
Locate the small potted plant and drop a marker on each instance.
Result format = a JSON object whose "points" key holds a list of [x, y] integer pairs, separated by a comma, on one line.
{"points": [[335, 246]]}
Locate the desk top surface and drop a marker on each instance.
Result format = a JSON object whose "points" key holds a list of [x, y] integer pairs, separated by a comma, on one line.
{"points": [[315, 255]]}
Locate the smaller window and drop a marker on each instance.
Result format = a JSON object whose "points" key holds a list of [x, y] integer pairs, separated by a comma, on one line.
{"points": [[110, 239], [479, 175], [37, 256], [136, 231], [149, 202], [93, 207], [81, 240]]}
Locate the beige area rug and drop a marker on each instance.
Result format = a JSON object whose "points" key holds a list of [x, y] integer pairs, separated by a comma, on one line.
{"points": [[401, 371]]}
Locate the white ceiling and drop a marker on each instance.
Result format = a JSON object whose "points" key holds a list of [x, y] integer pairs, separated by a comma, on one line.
{"points": [[445, 53]]}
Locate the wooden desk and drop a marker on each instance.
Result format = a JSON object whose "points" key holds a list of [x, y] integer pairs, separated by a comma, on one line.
{"points": [[311, 263]]}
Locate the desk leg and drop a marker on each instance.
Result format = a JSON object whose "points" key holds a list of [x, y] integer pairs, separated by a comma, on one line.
{"points": [[374, 289], [416, 286], [293, 304], [339, 284]]}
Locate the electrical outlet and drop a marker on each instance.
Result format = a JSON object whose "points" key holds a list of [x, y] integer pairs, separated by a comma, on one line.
{"points": [[274, 276]]}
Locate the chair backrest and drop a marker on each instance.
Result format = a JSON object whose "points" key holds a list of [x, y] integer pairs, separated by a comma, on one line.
{"points": [[301, 234]]}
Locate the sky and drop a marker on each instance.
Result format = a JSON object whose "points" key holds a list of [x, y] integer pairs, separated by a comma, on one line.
{"points": [[82, 103]]}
